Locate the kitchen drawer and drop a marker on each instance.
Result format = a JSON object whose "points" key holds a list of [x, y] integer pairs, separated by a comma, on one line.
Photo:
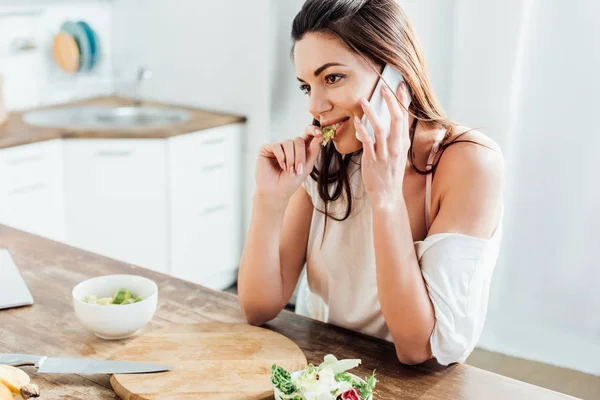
{"points": [[206, 187], [206, 148], [211, 148], [36, 208], [25, 168], [196, 179], [31, 189]]}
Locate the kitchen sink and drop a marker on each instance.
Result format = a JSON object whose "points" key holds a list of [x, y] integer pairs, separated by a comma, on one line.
{"points": [[107, 117]]}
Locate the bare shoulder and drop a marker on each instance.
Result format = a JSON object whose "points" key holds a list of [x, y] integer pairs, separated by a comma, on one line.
{"points": [[473, 155], [468, 185]]}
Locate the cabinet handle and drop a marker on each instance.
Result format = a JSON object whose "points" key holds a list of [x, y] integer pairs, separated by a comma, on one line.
{"points": [[213, 166], [27, 188], [26, 159], [114, 153], [213, 209], [213, 141]]}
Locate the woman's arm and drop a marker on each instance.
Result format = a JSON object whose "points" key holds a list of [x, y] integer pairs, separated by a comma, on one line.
{"points": [[274, 255], [470, 180], [275, 250]]}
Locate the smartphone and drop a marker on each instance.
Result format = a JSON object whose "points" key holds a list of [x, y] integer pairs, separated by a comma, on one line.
{"points": [[393, 78]]}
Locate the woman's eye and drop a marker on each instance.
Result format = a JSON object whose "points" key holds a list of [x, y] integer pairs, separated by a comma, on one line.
{"points": [[305, 89], [333, 78]]}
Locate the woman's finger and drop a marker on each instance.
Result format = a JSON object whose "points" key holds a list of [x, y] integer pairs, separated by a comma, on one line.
{"points": [[398, 121], [365, 138], [299, 155], [311, 131], [378, 129], [312, 153], [288, 149], [277, 150]]}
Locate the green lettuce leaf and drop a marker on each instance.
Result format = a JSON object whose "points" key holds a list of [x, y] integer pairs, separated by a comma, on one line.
{"points": [[282, 380], [328, 134], [366, 389]]}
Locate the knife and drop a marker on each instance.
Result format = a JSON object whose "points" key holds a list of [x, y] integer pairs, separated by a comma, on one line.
{"points": [[56, 365]]}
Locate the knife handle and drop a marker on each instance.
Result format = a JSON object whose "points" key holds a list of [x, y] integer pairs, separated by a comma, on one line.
{"points": [[19, 360]]}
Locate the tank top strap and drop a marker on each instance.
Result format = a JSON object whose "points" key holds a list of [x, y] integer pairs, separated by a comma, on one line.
{"points": [[429, 176]]}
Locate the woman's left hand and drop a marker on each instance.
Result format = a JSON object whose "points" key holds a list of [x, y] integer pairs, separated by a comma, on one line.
{"points": [[384, 162]]}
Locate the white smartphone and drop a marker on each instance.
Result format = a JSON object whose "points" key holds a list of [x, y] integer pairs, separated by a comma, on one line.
{"points": [[393, 77]]}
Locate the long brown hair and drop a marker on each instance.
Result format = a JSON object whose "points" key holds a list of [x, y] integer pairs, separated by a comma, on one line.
{"points": [[379, 31]]}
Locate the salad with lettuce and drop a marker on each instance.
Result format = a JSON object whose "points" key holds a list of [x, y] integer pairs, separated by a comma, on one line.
{"points": [[328, 134], [329, 381], [121, 297]]}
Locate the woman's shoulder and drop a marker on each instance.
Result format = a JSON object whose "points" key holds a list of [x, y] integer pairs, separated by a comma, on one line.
{"points": [[473, 162], [470, 152], [468, 184], [460, 132]]}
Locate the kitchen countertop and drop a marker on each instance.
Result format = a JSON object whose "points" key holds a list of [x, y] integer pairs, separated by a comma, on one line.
{"points": [[17, 132], [50, 327]]}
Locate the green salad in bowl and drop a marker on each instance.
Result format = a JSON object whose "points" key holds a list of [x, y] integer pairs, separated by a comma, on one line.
{"points": [[328, 381], [121, 297]]}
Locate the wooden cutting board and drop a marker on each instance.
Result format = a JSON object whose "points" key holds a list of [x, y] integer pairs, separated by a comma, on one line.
{"points": [[211, 361]]}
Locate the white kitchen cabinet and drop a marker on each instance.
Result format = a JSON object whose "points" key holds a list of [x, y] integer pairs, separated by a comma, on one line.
{"points": [[205, 205], [116, 199], [31, 188], [171, 205]]}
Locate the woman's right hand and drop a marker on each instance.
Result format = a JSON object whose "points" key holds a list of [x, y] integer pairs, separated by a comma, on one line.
{"points": [[282, 166]]}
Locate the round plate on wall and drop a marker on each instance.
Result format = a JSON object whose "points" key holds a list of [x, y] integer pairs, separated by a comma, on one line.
{"points": [[66, 52], [78, 32], [93, 41]]}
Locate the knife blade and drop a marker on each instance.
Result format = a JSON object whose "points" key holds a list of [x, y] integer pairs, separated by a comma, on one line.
{"points": [[60, 365]]}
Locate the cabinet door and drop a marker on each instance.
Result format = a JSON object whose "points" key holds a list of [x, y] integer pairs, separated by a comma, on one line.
{"points": [[205, 205], [116, 199], [31, 189]]}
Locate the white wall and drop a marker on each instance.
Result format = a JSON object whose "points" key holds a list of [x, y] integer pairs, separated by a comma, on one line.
{"points": [[204, 53], [485, 45], [545, 303], [31, 78]]}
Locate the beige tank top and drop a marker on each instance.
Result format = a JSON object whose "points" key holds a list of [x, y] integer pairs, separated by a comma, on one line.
{"points": [[339, 283]]}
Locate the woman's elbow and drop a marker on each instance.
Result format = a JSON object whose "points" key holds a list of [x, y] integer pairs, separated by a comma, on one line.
{"points": [[412, 358], [255, 314], [414, 354], [254, 319]]}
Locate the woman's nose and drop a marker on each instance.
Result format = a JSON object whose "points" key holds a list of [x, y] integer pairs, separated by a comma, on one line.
{"points": [[318, 105]]}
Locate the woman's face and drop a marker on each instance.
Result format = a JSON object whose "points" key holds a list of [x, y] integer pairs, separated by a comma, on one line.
{"points": [[335, 79]]}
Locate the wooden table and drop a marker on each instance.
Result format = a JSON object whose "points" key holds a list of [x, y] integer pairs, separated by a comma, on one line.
{"points": [[49, 327]]}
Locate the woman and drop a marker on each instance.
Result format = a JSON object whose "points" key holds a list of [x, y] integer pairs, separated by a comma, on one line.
{"points": [[399, 234]]}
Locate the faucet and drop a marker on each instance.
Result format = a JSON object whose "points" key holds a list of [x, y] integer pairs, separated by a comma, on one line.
{"points": [[142, 75]]}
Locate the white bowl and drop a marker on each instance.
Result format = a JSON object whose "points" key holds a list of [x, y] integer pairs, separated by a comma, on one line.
{"points": [[115, 322], [296, 374]]}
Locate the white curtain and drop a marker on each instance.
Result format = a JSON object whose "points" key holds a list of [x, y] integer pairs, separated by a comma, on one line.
{"points": [[526, 73]]}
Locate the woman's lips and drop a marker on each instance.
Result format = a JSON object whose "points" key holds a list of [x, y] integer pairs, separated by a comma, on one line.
{"points": [[339, 129]]}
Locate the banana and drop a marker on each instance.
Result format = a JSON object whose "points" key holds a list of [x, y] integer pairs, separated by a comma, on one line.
{"points": [[5, 393], [13, 378], [17, 382]]}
